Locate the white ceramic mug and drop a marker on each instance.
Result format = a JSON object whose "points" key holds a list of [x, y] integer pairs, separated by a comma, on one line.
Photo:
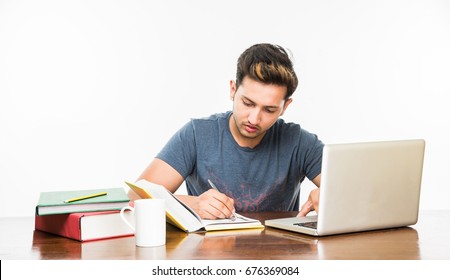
{"points": [[149, 220]]}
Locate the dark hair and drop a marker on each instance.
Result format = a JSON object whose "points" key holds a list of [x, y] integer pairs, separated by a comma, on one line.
{"points": [[269, 64]]}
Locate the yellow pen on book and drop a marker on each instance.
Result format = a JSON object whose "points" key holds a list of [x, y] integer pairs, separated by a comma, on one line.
{"points": [[85, 197]]}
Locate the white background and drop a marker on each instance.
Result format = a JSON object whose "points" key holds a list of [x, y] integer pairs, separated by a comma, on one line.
{"points": [[91, 90]]}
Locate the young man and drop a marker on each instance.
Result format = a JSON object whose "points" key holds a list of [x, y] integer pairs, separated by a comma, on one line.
{"points": [[256, 160]]}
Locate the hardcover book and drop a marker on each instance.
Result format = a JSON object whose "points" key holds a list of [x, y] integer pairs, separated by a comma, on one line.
{"points": [[86, 226], [56, 202]]}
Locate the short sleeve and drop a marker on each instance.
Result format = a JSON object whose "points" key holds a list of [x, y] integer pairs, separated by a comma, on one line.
{"points": [[180, 151], [311, 149]]}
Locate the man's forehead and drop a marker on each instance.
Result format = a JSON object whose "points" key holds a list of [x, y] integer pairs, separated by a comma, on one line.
{"points": [[251, 85]]}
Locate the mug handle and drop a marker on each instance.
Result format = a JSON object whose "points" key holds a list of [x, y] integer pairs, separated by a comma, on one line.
{"points": [[125, 219]]}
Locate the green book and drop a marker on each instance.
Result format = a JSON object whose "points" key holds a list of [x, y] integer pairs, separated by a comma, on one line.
{"points": [[63, 202]]}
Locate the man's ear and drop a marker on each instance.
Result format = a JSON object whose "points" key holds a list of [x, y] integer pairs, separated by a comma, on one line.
{"points": [[286, 104], [232, 89]]}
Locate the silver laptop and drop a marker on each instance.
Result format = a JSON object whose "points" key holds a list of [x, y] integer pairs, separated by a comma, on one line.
{"points": [[364, 186]]}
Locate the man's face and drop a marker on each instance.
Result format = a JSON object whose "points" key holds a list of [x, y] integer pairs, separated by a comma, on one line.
{"points": [[256, 107]]}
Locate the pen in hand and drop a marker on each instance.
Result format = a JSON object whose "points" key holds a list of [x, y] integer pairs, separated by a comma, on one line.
{"points": [[233, 216]]}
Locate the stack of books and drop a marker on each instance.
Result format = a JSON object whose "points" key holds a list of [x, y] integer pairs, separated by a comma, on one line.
{"points": [[83, 215]]}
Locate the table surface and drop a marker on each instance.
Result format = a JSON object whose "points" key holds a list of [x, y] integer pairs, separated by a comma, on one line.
{"points": [[428, 239]]}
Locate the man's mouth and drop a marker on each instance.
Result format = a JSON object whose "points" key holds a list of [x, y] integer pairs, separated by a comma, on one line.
{"points": [[250, 128]]}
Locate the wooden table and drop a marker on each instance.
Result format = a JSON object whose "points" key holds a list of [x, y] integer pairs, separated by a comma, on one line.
{"points": [[428, 239]]}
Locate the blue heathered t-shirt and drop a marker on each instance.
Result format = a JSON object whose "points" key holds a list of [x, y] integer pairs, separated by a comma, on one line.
{"points": [[265, 178]]}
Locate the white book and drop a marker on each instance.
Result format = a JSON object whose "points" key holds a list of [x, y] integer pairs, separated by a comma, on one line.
{"points": [[183, 217]]}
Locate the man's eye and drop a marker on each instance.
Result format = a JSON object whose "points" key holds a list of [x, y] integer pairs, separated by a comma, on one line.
{"points": [[248, 104]]}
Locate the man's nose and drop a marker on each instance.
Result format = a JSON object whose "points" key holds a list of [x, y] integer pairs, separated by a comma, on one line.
{"points": [[254, 116]]}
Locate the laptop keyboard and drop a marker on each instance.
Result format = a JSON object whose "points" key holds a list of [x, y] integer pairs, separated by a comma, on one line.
{"points": [[307, 224]]}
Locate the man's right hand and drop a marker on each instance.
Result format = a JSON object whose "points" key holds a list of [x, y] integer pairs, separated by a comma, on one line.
{"points": [[210, 205]]}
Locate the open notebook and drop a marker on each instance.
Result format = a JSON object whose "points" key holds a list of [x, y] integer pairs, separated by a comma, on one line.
{"points": [[183, 217]]}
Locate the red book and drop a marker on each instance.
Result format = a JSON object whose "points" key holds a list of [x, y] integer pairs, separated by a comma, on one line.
{"points": [[86, 226]]}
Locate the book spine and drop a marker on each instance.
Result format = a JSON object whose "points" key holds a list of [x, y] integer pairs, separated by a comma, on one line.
{"points": [[65, 225]]}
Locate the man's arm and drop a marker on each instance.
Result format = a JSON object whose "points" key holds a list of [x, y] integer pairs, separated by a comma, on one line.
{"points": [[161, 173], [313, 199], [209, 205]]}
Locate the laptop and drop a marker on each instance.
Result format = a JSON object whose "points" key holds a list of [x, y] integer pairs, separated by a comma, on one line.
{"points": [[364, 186]]}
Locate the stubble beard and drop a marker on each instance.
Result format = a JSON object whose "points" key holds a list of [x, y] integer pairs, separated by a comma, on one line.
{"points": [[243, 133]]}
